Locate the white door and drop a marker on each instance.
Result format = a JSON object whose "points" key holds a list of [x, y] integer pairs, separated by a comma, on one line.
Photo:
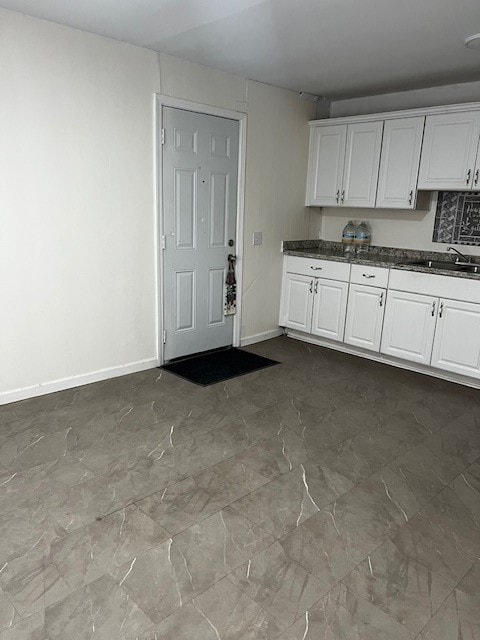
{"points": [[457, 338], [200, 164], [325, 165], [329, 308], [399, 163], [362, 159], [409, 326], [296, 303], [365, 316], [449, 150]]}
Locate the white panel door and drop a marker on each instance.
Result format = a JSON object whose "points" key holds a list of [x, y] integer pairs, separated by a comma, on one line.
{"points": [[457, 338], [200, 163], [362, 159], [296, 303], [365, 310], [449, 150], [325, 166], [329, 308], [409, 326], [399, 163]]}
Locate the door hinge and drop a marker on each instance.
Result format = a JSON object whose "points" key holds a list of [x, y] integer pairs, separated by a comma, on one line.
{"points": [[163, 136], [163, 242], [164, 337]]}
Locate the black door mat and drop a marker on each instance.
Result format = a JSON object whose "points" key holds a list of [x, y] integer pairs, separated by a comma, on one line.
{"points": [[216, 366]]}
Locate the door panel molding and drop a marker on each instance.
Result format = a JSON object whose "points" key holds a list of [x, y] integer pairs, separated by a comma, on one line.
{"points": [[161, 101]]}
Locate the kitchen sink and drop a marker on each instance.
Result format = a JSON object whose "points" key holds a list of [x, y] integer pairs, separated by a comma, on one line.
{"points": [[446, 266]]}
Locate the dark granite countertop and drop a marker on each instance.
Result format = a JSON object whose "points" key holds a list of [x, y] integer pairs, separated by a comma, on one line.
{"points": [[377, 256]]}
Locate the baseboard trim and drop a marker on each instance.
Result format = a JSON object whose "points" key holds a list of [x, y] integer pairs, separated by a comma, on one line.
{"points": [[76, 381], [260, 337], [378, 357]]}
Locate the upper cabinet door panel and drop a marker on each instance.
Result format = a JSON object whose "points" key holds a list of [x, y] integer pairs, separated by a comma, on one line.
{"points": [[362, 159], [399, 163], [325, 166], [449, 151]]}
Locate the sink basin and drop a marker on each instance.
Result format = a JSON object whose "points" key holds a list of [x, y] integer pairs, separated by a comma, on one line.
{"points": [[446, 266], [436, 264]]}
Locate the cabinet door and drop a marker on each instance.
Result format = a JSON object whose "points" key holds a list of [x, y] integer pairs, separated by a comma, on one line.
{"points": [[449, 149], [399, 163], [329, 307], [457, 338], [409, 326], [325, 165], [365, 316], [297, 302], [362, 159]]}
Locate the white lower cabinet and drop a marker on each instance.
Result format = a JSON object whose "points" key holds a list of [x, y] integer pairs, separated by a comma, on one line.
{"points": [[297, 302], [409, 326], [329, 307], [365, 311], [457, 338]]}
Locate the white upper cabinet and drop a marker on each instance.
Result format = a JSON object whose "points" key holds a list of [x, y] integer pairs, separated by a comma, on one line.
{"points": [[399, 163], [362, 159], [449, 152], [457, 338], [325, 166]]}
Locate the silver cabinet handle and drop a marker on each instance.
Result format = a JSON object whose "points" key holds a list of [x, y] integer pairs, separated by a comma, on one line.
{"points": [[440, 311], [337, 197], [316, 268], [381, 299], [368, 275], [410, 197], [311, 286], [343, 196], [469, 175], [434, 306], [316, 286], [477, 177]]}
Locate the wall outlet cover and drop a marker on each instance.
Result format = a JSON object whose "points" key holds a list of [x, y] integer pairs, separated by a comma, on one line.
{"points": [[257, 238]]}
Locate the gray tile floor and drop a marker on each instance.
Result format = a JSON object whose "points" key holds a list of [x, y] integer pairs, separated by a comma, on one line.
{"points": [[326, 498]]}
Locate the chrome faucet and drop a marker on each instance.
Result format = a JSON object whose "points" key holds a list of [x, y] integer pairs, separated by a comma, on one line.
{"points": [[464, 258]]}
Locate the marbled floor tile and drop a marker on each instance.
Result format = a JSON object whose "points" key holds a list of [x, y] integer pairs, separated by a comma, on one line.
{"points": [[278, 584], [31, 628], [181, 568], [99, 548], [187, 502], [459, 440], [467, 487], [443, 536], [406, 427], [459, 617], [275, 456], [325, 548], [8, 615], [363, 455], [223, 611], [426, 473], [39, 484], [401, 587], [279, 506], [84, 503], [100, 611], [31, 582], [342, 615]]}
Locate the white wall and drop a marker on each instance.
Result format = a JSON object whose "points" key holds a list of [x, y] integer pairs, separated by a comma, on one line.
{"points": [[77, 256]]}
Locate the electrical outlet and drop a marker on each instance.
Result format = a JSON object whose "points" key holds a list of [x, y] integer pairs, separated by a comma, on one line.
{"points": [[257, 238]]}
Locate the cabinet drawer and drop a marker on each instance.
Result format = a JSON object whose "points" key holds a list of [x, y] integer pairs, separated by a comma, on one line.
{"points": [[318, 268], [373, 276]]}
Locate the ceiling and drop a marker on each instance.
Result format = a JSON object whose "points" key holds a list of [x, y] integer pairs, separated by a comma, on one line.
{"points": [[333, 48]]}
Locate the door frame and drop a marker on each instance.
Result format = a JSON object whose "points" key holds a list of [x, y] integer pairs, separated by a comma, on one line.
{"points": [[161, 101]]}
